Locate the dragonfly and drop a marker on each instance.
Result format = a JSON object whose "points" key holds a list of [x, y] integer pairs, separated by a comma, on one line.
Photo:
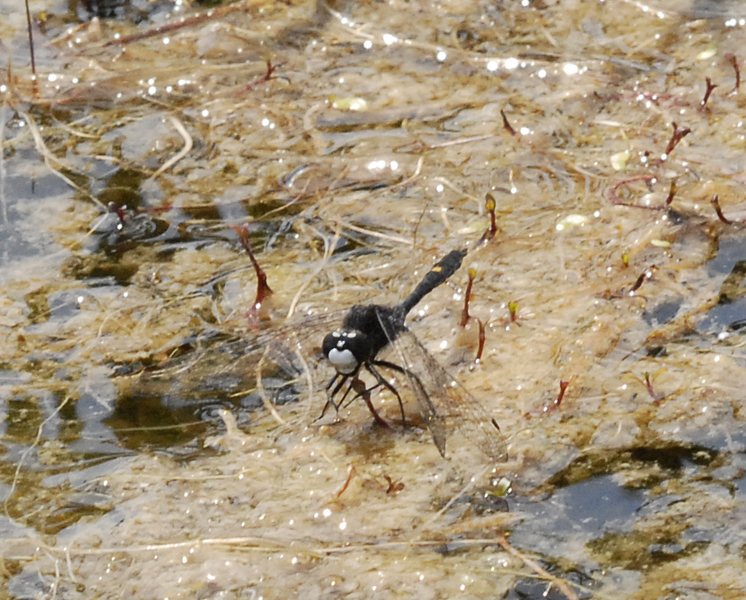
{"points": [[366, 338]]}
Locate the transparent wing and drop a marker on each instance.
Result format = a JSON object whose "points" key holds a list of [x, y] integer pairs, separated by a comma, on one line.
{"points": [[446, 406], [227, 367]]}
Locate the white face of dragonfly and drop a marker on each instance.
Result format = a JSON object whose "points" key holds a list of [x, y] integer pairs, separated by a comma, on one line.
{"points": [[345, 349]]}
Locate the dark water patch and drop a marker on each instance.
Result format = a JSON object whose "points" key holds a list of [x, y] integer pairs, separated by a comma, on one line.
{"points": [[730, 309], [730, 251], [604, 501], [663, 312], [122, 188], [534, 589], [141, 422], [643, 549], [668, 459], [585, 510]]}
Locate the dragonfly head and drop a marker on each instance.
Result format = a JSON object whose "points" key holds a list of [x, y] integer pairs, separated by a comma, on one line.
{"points": [[346, 350]]}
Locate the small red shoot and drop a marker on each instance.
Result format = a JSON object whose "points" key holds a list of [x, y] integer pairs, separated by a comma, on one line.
{"points": [[467, 298], [490, 204], [671, 192], [734, 61], [394, 486], [506, 125], [480, 347], [262, 79], [676, 137], [513, 308], [716, 205], [119, 211], [614, 191], [708, 90], [351, 472], [638, 283], [563, 389], [649, 385], [263, 291]]}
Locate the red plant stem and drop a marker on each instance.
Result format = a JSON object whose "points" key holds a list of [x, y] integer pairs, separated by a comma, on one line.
{"points": [[613, 192], [467, 297], [638, 283], [263, 290], [649, 386], [676, 137], [506, 125], [264, 78], [513, 310], [708, 90], [671, 193], [734, 61], [716, 204], [482, 337], [490, 205], [563, 388]]}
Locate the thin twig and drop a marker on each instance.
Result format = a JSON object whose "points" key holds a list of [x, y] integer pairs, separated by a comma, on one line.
{"points": [[188, 144], [28, 451], [560, 583], [460, 141], [383, 236], [263, 393], [31, 42], [472, 481], [328, 249], [42, 149], [197, 19], [3, 199]]}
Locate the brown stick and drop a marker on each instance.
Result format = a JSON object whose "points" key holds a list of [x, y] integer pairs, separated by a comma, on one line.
{"points": [[537, 568]]}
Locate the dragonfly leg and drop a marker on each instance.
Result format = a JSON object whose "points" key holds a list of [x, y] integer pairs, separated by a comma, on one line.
{"points": [[381, 381], [364, 393], [330, 395]]}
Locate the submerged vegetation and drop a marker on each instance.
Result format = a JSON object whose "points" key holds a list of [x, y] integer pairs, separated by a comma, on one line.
{"points": [[177, 178]]}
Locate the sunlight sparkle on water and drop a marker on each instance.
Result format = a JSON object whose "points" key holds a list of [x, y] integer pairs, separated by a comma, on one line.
{"points": [[571, 69]]}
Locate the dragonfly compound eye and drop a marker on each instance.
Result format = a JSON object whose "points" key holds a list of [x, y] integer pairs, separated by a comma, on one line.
{"points": [[346, 350]]}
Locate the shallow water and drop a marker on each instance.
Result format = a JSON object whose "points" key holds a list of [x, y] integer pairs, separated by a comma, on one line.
{"points": [[115, 482]]}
